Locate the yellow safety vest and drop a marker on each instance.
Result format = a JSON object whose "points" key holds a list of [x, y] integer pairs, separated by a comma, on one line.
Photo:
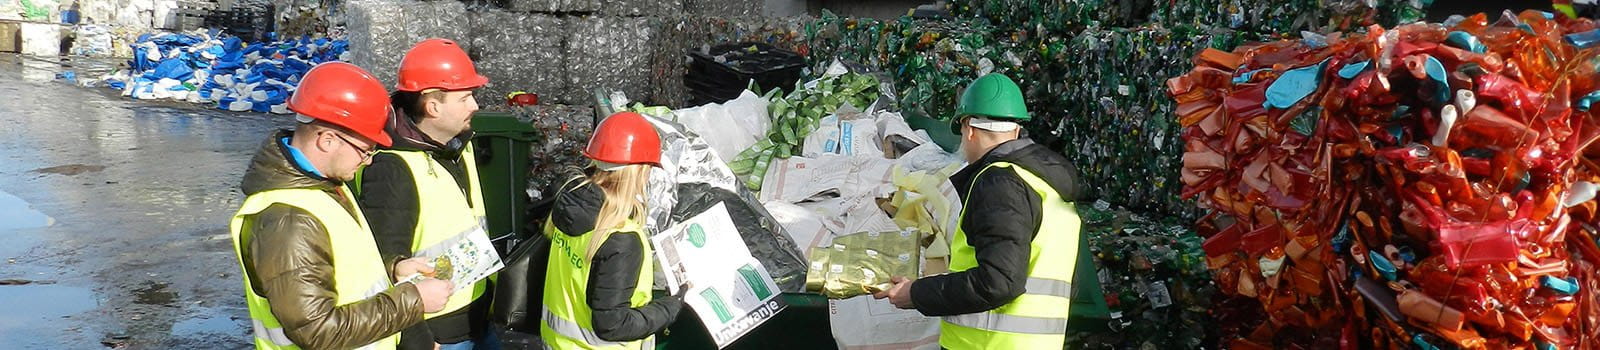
{"points": [[445, 212], [358, 270], [1038, 318], [567, 322]]}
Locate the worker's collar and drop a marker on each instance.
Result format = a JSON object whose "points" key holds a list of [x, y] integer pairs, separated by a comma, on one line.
{"points": [[963, 179], [409, 137], [299, 160]]}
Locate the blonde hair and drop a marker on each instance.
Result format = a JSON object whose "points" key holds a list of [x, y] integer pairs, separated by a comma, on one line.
{"points": [[624, 191]]}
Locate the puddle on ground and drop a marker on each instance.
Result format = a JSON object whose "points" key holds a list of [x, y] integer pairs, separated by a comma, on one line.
{"points": [[154, 293], [16, 213], [208, 325], [35, 311], [39, 71]]}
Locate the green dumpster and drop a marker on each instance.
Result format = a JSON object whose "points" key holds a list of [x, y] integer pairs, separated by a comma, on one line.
{"points": [[1089, 310], [502, 144], [801, 325]]}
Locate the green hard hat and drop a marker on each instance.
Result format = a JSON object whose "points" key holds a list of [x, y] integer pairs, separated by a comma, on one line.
{"points": [[992, 96]]}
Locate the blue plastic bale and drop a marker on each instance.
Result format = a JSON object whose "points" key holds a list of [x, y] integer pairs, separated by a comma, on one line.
{"points": [[171, 68], [275, 72], [296, 66], [254, 76], [254, 47]]}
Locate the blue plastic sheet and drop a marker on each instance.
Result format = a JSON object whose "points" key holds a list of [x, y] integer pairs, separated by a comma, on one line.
{"points": [[171, 68], [1588, 100], [1349, 71], [1463, 40], [1441, 88], [1245, 78], [1584, 40], [1294, 85]]}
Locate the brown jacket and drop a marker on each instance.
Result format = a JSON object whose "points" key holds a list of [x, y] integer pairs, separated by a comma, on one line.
{"points": [[289, 261]]}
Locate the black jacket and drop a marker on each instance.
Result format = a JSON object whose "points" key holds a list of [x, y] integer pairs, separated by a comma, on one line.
{"points": [[614, 272], [388, 197], [1000, 219]]}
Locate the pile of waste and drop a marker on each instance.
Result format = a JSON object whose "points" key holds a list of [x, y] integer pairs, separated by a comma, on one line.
{"points": [[865, 197], [93, 40], [205, 67], [1153, 277], [1263, 16], [1106, 111], [1419, 186], [561, 134], [795, 116], [1096, 94]]}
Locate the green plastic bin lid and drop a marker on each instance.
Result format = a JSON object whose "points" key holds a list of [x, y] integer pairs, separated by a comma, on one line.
{"points": [[937, 129], [501, 124]]}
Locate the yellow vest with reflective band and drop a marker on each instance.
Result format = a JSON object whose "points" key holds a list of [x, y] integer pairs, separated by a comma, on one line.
{"points": [[358, 270], [1038, 318], [445, 211], [567, 320]]}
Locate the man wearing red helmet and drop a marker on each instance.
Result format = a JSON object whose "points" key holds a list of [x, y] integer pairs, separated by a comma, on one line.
{"points": [[423, 189], [313, 278]]}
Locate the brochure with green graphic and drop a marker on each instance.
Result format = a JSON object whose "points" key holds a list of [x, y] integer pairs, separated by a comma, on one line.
{"points": [[728, 288]]}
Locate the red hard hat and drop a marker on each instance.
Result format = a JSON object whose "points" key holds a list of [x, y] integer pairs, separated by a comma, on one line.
{"points": [[345, 95], [625, 138], [438, 64]]}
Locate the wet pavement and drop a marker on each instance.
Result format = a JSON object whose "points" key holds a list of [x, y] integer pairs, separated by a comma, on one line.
{"points": [[113, 216]]}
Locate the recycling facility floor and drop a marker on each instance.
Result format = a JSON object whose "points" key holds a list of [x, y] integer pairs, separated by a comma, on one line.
{"points": [[113, 215]]}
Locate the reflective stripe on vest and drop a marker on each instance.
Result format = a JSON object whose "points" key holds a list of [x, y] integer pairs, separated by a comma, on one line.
{"points": [[1037, 319], [358, 270], [567, 321], [992, 321], [569, 329], [445, 212], [273, 335], [1049, 287]]}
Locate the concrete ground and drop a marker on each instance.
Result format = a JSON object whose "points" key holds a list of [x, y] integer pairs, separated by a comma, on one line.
{"points": [[114, 214]]}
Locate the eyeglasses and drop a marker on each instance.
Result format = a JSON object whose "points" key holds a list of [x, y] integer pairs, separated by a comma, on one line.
{"points": [[366, 154]]}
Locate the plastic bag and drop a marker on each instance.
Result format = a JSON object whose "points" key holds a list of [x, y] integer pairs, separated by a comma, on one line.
{"points": [[804, 226], [731, 127]]}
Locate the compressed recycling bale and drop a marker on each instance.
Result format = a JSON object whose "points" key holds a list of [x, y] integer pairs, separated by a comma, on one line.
{"points": [[519, 52], [724, 8], [641, 7], [380, 31], [611, 53], [540, 71], [551, 5], [495, 30]]}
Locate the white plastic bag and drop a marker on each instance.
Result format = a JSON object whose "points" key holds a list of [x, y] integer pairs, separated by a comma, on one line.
{"points": [[822, 140], [729, 128], [796, 179], [927, 157], [866, 323], [804, 226], [893, 124]]}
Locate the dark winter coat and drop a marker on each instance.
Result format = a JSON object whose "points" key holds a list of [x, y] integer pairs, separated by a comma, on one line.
{"points": [[1001, 217]]}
